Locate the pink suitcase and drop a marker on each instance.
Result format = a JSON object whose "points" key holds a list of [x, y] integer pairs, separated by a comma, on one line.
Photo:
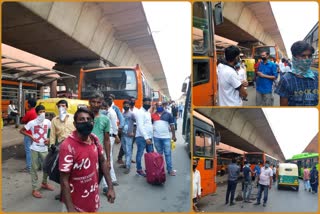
{"points": [[155, 168]]}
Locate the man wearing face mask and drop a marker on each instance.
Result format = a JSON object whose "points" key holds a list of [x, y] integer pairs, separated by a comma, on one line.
{"points": [[162, 121], [299, 86], [196, 185], [266, 74], [144, 133], [61, 126], [127, 135], [80, 156], [247, 173], [231, 89], [134, 111], [39, 128], [265, 183]]}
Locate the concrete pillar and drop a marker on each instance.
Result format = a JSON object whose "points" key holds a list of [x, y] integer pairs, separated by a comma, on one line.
{"points": [[53, 89]]}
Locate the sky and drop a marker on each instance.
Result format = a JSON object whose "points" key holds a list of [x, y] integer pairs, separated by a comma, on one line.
{"points": [[170, 23], [295, 20], [294, 128]]}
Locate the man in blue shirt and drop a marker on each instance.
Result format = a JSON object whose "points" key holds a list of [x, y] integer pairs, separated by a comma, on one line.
{"points": [[266, 74], [234, 172], [247, 173], [299, 86]]}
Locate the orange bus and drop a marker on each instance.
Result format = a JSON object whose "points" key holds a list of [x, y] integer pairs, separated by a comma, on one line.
{"points": [[274, 52], [254, 157], [205, 139], [205, 87], [123, 82]]}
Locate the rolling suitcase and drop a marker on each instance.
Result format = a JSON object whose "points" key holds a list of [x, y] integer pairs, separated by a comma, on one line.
{"points": [[155, 168]]}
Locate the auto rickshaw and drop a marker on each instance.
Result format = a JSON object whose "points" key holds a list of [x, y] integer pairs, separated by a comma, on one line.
{"points": [[52, 109], [250, 69], [288, 175]]}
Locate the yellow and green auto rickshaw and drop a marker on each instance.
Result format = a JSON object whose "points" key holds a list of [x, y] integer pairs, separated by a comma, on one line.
{"points": [[250, 69], [288, 175], [52, 109]]}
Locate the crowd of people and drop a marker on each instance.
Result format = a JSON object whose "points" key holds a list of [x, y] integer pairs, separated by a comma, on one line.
{"points": [[298, 84], [86, 139]]}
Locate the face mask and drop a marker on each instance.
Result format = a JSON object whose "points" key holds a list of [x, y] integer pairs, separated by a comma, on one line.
{"points": [[41, 117], [103, 111], [132, 103], [194, 167], [85, 128], [160, 109], [126, 108], [62, 113], [302, 67], [146, 106], [267, 165], [264, 58]]}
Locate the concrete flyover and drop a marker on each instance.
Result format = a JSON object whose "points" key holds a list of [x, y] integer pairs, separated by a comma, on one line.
{"points": [[246, 129], [81, 32], [250, 23]]}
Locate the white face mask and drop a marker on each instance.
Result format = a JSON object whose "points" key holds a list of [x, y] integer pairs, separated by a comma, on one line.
{"points": [[62, 113], [41, 117]]}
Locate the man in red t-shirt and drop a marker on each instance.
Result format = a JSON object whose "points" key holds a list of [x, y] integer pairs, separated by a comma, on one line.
{"points": [[30, 115], [80, 157]]}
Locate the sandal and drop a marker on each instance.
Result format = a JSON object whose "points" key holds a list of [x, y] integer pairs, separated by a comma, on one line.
{"points": [[36, 194]]}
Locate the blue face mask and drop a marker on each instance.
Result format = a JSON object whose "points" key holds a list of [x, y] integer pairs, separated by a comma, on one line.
{"points": [[302, 67], [103, 111], [160, 109], [267, 165]]}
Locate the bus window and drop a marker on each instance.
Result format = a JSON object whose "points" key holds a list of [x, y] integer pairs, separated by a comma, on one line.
{"points": [[121, 83], [201, 72], [254, 158], [200, 29], [203, 144]]}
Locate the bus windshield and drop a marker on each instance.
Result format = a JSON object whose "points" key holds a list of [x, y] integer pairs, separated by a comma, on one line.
{"points": [[200, 29], [121, 83], [270, 49], [254, 158]]}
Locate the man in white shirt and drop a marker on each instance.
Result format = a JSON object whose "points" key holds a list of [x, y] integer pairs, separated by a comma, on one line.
{"points": [[196, 185], [144, 133], [231, 89], [112, 115], [265, 181]]}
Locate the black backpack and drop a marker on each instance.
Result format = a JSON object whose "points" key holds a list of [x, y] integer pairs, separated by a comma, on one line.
{"points": [[51, 164]]}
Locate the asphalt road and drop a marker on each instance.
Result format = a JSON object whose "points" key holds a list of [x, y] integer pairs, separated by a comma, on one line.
{"points": [[283, 200], [133, 194]]}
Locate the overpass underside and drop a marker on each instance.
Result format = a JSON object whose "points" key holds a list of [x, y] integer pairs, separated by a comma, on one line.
{"points": [[245, 129]]}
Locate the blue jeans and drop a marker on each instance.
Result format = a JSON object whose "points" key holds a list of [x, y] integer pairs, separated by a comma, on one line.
{"points": [[141, 145], [164, 145], [247, 190], [27, 143], [306, 184], [126, 143], [263, 188], [175, 123], [232, 185]]}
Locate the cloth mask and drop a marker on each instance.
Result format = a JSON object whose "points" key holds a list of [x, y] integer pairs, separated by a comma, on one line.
{"points": [[160, 109], [267, 165], [146, 106], [103, 111], [126, 108], [41, 118], [302, 67], [84, 128], [62, 113]]}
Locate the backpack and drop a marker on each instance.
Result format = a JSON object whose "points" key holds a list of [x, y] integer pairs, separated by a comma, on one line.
{"points": [[51, 164]]}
